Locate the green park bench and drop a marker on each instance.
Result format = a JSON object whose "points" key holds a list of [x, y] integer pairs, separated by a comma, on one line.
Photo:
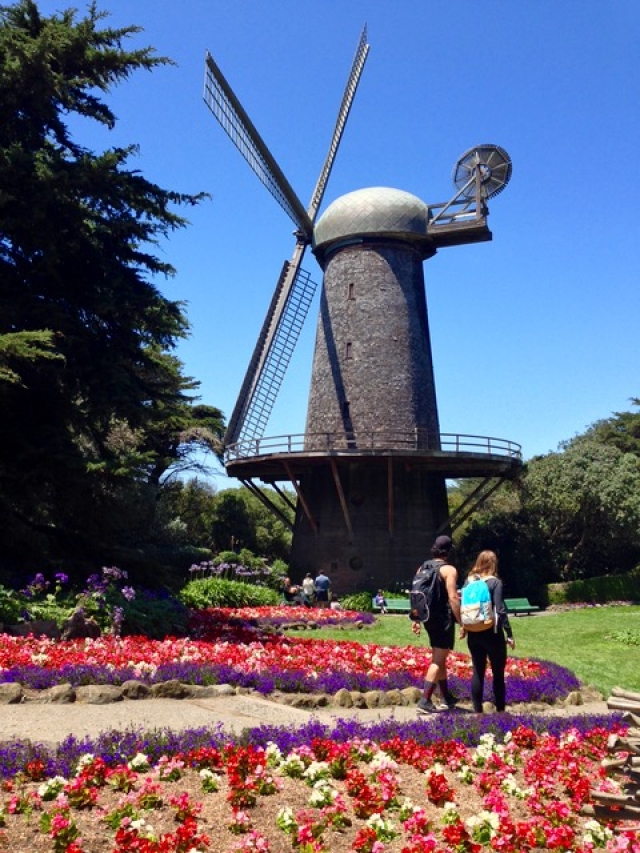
{"points": [[520, 606], [394, 605]]}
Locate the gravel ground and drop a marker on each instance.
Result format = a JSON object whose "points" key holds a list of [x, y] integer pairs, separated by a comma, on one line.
{"points": [[52, 723]]}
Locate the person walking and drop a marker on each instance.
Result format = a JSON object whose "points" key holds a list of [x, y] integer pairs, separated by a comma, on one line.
{"points": [[440, 629], [490, 644], [322, 586]]}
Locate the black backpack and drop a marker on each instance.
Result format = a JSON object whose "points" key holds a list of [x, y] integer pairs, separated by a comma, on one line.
{"points": [[427, 592]]}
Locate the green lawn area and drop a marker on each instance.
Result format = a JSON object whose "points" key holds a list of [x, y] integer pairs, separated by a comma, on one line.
{"points": [[579, 640]]}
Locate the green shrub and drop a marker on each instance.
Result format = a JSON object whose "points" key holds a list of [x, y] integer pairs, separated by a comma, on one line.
{"points": [[155, 616], [244, 567], [360, 601], [279, 571], [106, 598], [596, 590], [49, 607], [10, 606], [40, 600], [219, 592]]}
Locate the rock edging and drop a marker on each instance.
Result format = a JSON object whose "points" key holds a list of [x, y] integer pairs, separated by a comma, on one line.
{"points": [[13, 693]]}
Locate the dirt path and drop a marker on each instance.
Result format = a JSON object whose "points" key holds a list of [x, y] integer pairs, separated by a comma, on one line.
{"points": [[52, 723]]}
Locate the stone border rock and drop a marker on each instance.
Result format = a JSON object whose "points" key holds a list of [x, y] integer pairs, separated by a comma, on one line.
{"points": [[12, 693]]}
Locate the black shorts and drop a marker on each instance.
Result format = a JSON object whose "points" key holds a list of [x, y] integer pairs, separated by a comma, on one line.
{"points": [[322, 595], [441, 634]]}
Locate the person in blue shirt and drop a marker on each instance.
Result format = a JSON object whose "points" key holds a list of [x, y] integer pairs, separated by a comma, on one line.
{"points": [[322, 587]]}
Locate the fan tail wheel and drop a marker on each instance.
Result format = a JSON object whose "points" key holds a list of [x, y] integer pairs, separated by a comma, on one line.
{"points": [[491, 162]]}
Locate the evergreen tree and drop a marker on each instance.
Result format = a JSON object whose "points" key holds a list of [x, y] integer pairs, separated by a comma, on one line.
{"points": [[95, 406]]}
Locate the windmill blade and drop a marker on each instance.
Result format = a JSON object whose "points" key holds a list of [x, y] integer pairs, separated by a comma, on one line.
{"points": [[229, 112], [271, 356], [295, 290], [357, 66]]}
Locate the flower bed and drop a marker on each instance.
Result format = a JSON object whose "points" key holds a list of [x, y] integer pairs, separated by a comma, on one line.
{"points": [[449, 784], [212, 620], [341, 791], [265, 662]]}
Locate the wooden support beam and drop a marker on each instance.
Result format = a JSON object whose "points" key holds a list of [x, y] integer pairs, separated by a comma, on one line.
{"points": [[284, 496], [269, 504], [303, 503], [390, 494], [341, 497]]}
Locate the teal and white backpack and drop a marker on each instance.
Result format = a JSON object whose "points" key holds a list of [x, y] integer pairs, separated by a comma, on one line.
{"points": [[476, 607]]}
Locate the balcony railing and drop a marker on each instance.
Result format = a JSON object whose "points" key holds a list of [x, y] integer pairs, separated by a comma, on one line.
{"points": [[371, 443]]}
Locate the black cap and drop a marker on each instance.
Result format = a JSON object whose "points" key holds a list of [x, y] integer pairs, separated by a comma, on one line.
{"points": [[443, 543]]}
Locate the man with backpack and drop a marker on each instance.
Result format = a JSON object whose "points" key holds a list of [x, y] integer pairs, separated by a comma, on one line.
{"points": [[435, 604]]}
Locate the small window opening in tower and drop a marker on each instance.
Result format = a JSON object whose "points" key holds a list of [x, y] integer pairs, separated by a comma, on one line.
{"points": [[351, 290], [348, 350]]}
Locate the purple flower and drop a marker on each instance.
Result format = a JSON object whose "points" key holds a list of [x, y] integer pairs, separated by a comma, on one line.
{"points": [[128, 592], [115, 746], [113, 573]]}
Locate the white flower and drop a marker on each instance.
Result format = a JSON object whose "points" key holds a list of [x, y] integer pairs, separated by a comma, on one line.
{"points": [[85, 759], [316, 770], [139, 762], [596, 834], [286, 820], [406, 809], [51, 788], [465, 774], [292, 766], [273, 754], [323, 794], [382, 761], [145, 830], [491, 818], [384, 829]]}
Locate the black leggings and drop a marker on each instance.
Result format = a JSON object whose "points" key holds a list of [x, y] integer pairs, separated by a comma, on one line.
{"points": [[483, 646]]}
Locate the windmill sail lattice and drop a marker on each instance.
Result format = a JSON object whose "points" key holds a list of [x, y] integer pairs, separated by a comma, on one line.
{"points": [[343, 113], [258, 409], [229, 112]]}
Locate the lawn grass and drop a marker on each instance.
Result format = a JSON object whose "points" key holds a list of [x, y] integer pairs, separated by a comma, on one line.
{"points": [[576, 639]]}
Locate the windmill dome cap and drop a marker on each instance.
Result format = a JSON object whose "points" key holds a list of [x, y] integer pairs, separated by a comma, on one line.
{"points": [[376, 210]]}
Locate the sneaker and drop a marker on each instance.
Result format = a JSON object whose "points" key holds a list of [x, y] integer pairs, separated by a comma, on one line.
{"points": [[448, 704], [426, 706]]}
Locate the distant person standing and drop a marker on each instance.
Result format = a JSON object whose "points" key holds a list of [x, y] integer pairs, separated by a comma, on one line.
{"points": [[491, 644], [322, 586], [308, 586]]}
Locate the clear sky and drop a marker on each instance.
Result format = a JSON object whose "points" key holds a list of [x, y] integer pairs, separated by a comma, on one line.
{"points": [[534, 334]]}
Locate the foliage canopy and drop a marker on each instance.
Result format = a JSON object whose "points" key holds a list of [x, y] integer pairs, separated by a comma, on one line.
{"points": [[574, 514], [96, 408]]}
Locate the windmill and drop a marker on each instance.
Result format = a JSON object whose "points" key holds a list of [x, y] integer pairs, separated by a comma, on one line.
{"points": [[370, 469]]}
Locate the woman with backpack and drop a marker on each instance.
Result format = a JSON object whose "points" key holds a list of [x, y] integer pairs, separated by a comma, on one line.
{"points": [[487, 639]]}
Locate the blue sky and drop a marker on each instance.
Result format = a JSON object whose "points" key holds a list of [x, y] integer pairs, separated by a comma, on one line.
{"points": [[534, 334]]}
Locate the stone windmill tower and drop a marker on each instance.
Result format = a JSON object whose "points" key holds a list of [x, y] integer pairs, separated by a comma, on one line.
{"points": [[370, 469]]}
